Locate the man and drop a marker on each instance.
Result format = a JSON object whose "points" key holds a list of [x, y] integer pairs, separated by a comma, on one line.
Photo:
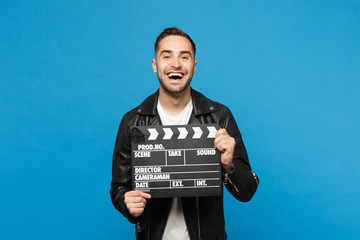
{"points": [[176, 103]]}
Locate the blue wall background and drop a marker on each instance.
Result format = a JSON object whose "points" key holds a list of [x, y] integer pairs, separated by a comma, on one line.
{"points": [[288, 70]]}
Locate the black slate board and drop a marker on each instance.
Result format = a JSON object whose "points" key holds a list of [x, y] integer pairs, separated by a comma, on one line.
{"points": [[176, 161]]}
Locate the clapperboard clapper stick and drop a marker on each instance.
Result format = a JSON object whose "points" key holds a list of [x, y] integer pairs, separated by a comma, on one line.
{"points": [[176, 161]]}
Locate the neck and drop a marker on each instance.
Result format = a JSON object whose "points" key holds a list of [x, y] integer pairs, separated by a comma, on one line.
{"points": [[174, 103]]}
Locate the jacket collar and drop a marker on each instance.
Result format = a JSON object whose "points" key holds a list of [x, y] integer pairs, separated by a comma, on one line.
{"points": [[201, 104]]}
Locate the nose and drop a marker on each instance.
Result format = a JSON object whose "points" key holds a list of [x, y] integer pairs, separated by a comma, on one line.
{"points": [[176, 62]]}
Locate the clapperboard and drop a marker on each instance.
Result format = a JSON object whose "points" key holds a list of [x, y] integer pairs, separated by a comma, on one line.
{"points": [[176, 161]]}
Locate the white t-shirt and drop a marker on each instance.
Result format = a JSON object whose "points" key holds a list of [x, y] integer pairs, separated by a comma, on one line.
{"points": [[175, 228]]}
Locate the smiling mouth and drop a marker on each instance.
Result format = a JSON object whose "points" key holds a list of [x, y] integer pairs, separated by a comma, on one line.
{"points": [[175, 76]]}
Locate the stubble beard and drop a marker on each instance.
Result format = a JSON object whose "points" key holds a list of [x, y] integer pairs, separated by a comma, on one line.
{"points": [[174, 92]]}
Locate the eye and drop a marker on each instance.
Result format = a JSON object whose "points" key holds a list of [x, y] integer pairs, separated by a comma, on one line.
{"points": [[184, 57], [166, 57]]}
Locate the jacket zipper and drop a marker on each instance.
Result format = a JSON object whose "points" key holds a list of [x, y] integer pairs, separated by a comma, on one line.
{"points": [[198, 217], [138, 224], [256, 178], [148, 220], [227, 179], [138, 227]]}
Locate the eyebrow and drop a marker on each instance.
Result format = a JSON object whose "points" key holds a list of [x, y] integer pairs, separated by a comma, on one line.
{"points": [[170, 51]]}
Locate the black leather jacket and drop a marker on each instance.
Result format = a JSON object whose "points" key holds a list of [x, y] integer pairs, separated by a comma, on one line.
{"points": [[204, 216]]}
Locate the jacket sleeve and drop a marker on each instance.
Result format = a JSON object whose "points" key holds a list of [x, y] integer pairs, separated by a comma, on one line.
{"points": [[242, 182], [121, 170]]}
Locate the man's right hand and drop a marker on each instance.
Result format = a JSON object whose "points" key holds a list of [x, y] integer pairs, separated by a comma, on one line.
{"points": [[135, 202]]}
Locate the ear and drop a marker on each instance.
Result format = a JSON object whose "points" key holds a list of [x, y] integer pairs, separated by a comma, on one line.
{"points": [[195, 66], [154, 65]]}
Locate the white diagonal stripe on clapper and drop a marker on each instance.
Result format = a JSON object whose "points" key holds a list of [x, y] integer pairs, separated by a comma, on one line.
{"points": [[212, 132], [168, 133], [198, 132], [183, 132], [153, 134]]}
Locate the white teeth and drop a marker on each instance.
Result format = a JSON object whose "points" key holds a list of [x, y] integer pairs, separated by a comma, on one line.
{"points": [[175, 74]]}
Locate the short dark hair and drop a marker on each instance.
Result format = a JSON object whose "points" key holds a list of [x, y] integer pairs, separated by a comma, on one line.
{"points": [[175, 31]]}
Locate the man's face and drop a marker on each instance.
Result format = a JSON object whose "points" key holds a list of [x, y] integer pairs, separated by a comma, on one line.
{"points": [[174, 64]]}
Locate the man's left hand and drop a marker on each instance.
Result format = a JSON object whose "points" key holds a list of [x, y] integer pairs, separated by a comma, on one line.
{"points": [[226, 145]]}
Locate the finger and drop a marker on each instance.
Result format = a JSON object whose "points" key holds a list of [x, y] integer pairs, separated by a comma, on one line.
{"points": [[132, 193], [136, 208], [220, 132], [225, 144], [221, 147], [129, 200], [137, 194], [218, 139], [217, 143], [145, 195], [221, 142], [137, 205], [135, 212]]}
